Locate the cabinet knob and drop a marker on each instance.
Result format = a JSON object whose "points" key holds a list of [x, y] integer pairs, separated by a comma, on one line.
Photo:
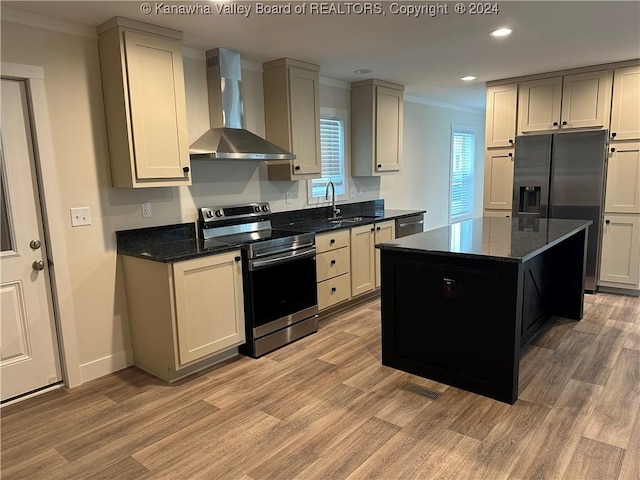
{"points": [[333, 262], [510, 154], [297, 168], [511, 141], [237, 259], [564, 122], [607, 222], [185, 169], [613, 134], [378, 228], [379, 165], [555, 124], [373, 229], [613, 149], [333, 289], [332, 241]]}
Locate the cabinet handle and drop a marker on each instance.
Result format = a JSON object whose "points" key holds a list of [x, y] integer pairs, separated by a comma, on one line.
{"points": [[237, 259], [379, 165], [613, 150], [333, 289], [333, 262], [555, 124], [296, 168], [373, 229], [607, 222], [613, 134], [378, 228], [564, 122], [185, 169]]}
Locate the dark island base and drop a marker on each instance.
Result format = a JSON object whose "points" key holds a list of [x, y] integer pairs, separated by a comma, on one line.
{"points": [[464, 321]]}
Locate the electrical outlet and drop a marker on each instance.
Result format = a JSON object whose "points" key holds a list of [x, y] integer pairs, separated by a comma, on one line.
{"points": [[80, 216], [146, 210], [288, 198], [353, 192], [360, 192]]}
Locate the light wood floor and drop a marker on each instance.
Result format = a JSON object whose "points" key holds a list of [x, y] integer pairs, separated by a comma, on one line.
{"points": [[325, 407]]}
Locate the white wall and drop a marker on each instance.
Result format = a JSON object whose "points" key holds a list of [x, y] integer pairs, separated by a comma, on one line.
{"points": [[73, 86]]}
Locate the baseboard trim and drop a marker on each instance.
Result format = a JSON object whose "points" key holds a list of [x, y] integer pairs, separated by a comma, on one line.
{"points": [[106, 365], [619, 291]]}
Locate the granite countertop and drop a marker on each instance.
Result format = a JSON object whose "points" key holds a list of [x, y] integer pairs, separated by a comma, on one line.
{"points": [[505, 239], [174, 243]]}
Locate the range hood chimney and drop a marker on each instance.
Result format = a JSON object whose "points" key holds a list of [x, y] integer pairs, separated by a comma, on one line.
{"points": [[228, 139]]}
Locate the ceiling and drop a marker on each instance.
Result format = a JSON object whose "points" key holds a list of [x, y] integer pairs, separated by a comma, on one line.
{"points": [[426, 54]]}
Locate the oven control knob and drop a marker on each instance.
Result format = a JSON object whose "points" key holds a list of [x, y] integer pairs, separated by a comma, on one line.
{"points": [[219, 213], [256, 209], [208, 214], [265, 208]]}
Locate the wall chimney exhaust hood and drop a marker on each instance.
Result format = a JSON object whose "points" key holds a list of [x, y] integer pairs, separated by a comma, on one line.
{"points": [[228, 139]]}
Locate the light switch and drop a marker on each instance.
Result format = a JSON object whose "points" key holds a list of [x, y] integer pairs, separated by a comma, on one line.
{"points": [[288, 198], [80, 216]]}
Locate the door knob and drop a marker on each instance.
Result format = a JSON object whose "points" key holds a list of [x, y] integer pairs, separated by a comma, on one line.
{"points": [[35, 244], [38, 265]]}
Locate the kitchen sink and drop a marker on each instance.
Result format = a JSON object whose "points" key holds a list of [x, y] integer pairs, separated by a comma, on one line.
{"points": [[349, 220]]}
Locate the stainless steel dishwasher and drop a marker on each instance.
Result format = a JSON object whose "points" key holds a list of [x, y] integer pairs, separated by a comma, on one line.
{"points": [[409, 225]]}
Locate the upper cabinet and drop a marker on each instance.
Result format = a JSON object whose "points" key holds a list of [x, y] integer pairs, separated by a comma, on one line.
{"points": [[292, 117], [625, 108], [376, 127], [581, 100], [501, 115], [144, 102]]}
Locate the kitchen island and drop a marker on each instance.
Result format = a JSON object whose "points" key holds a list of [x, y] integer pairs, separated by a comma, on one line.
{"points": [[461, 302]]}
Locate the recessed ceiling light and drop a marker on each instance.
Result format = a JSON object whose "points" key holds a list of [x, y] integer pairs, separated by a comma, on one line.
{"points": [[501, 32], [363, 71], [468, 78]]}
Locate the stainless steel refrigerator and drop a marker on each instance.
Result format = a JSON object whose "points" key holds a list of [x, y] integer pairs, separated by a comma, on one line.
{"points": [[561, 175]]}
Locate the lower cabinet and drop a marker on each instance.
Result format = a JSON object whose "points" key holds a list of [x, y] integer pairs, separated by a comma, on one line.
{"points": [[620, 260], [333, 268], [186, 315], [365, 261]]}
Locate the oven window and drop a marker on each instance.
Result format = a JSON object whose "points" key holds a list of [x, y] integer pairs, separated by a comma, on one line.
{"points": [[282, 289]]}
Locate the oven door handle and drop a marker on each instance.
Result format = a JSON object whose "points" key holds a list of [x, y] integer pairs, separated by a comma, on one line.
{"points": [[282, 258]]}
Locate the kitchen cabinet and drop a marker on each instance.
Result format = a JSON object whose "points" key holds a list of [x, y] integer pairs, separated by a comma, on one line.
{"points": [[292, 117], [186, 315], [581, 100], [498, 179], [625, 106], [144, 103], [333, 267], [501, 115], [623, 178], [365, 261], [376, 127], [620, 261]]}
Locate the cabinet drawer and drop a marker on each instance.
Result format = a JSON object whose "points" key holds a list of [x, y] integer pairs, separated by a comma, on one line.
{"points": [[332, 240], [332, 263], [333, 291]]}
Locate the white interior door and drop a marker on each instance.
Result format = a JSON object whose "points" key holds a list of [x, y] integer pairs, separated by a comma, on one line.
{"points": [[29, 357]]}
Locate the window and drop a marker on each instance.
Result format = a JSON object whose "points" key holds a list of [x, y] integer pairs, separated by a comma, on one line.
{"points": [[332, 152], [463, 141]]}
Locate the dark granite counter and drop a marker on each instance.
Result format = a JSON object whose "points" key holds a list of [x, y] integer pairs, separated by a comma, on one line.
{"points": [[505, 239], [168, 243]]}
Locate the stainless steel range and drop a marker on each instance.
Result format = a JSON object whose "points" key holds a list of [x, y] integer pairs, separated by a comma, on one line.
{"points": [[279, 274]]}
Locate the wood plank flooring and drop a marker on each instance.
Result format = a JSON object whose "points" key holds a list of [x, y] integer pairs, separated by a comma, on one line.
{"points": [[325, 408]]}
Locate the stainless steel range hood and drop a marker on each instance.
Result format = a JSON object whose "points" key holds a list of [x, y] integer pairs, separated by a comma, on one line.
{"points": [[227, 138]]}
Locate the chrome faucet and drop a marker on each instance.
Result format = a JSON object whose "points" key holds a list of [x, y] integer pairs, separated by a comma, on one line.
{"points": [[336, 211]]}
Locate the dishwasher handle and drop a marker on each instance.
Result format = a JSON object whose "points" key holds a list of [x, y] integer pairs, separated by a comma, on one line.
{"points": [[410, 224]]}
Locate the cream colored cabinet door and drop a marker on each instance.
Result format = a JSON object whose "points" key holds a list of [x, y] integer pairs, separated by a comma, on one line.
{"points": [[305, 121], [586, 100], [620, 259], [501, 115], [385, 232], [145, 107], [209, 305], [623, 178], [389, 113], [498, 179], [363, 275], [539, 104], [625, 108]]}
